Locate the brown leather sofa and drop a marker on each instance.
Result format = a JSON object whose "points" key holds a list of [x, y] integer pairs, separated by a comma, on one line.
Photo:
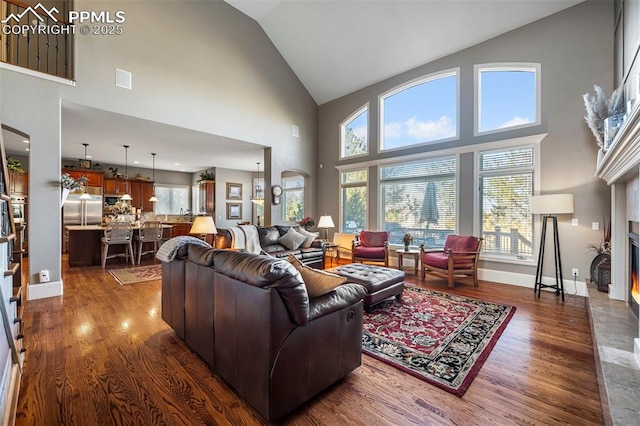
{"points": [[268, 235], [250, 318]]}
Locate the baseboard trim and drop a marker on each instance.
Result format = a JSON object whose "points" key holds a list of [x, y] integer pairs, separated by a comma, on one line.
{"points": [[526, 280], [44, 290]]}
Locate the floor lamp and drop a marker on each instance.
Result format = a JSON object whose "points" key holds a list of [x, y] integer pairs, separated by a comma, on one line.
{"points": [[549, 206]]}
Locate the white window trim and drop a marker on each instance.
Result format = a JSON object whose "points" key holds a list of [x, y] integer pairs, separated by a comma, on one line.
{"points": [[477, 226], [407, 85], [285, 190], [505, 66], [348, 185], [344, 122]]}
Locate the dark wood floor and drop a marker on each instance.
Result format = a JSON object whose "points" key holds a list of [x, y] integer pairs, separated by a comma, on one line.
{"points": [[101, 354]]}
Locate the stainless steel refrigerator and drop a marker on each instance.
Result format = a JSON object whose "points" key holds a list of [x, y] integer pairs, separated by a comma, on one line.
{"points": [[81, 212]]}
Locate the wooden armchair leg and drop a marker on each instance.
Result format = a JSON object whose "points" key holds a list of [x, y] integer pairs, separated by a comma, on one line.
{"points": [[475, 278], [450, 279]]}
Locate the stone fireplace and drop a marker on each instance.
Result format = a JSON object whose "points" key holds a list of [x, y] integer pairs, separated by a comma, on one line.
{"points": [[620, 168]]}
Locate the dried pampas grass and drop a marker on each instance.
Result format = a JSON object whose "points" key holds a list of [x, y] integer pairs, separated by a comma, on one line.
{"points": [[599, 107]]}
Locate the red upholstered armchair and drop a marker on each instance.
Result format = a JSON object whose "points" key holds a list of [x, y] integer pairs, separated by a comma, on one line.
{"points": [[459, 257], [371, 247]]}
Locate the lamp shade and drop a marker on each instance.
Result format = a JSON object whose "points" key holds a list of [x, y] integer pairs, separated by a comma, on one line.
{"points": [[325, 222], [126, 197], [203, 225], [551, 204], [85, 196]]}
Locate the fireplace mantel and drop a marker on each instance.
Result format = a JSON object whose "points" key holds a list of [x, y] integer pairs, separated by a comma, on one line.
{"points": [[623, 156]]}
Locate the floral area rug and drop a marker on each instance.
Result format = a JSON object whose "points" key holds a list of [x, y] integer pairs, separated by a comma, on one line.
{"points": [[137, 274], [441, 338]]}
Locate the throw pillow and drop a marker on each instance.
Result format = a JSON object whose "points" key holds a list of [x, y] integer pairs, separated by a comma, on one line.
{"points": [[291, 240], [317, 282], [309, 237]]}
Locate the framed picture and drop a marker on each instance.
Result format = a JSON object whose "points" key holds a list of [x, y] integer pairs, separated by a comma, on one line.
{"points": [[234, 191], [84, 164], [234, 211]]}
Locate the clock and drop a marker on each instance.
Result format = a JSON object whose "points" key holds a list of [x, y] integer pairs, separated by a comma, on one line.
{"points": [[276, 191]]}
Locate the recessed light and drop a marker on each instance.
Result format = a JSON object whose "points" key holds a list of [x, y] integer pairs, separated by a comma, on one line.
{"points": [[182, 170], [27, 149], [25, 141], [176, 164], [136, 162], [88, 156]]}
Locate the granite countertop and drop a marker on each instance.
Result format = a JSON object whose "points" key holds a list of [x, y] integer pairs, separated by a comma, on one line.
{"points": [[100, 227]]}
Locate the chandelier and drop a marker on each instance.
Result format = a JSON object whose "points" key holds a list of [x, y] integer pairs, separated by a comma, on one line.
{"points": [[258, 190]]}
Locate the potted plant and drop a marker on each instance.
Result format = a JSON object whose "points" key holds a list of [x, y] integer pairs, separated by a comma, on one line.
{"points": [[207, 175], [307, 223], [69, 184], [407, 239], [14, 165]]}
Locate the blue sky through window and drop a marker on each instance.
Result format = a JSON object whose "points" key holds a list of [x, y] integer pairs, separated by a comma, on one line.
{"points": [[422, 113], [507, 98]]}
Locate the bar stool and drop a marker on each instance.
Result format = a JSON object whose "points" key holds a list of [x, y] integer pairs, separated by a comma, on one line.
{"points": [[150, 232], [117, 233]]}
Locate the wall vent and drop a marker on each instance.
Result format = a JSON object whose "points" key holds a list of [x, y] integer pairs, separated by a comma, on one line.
{"points": [[123, 79]]}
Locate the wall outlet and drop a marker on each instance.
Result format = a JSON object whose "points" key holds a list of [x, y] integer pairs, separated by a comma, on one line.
{"points": [[595, 226], [574, 222], [574, 272]]}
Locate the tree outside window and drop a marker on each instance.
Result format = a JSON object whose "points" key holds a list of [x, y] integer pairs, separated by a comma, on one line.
{"points": [[354, 134], [353, 201], [293, 198]]}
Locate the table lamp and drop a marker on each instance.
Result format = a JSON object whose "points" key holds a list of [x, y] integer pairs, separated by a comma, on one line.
{"points": [[326, 222], [550, 206], [203, 225]]}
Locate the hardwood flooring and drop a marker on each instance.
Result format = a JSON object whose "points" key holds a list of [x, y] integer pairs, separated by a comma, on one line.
{"points": [[101, 354]]}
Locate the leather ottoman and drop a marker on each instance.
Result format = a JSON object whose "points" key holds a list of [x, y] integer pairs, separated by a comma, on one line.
{"points": [[381, 283]]}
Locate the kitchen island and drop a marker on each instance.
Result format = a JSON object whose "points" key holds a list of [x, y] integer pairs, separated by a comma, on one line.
{"points": [[85, 243]]}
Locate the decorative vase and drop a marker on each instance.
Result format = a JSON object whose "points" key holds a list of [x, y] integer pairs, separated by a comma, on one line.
{"points": [[611, 127], [406, 247], [63, 196]]}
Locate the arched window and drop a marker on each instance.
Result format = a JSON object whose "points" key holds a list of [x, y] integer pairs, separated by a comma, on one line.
{"points": [[354, 134], [422, 111]]}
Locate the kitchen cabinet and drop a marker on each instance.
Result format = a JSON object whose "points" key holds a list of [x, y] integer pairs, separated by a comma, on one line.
{"points": [[93, 178], [141, 192], [207, 195], [115, 186], [18, 183], [180, 229]]}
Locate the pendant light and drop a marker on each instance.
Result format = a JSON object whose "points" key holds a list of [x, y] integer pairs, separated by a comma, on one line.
{"points": [[258, 198], [153, 198], [126, 196], [85, 196]]}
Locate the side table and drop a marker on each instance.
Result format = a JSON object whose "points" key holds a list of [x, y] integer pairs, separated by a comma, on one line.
{"points": [[331, 250], [413, 253]]}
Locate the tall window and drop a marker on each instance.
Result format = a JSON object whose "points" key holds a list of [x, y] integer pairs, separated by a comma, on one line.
{"points": [[507, 97], [506, 183], [292, 198], [353, 134], [423, 111], [171, 199], [419, 198], [353, 202]]}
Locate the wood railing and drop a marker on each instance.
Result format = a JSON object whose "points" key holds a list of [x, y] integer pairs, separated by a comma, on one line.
{"points": [[36, 37]]}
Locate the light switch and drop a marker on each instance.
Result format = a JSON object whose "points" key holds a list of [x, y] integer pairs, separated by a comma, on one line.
{"points": [[595, 226], [574, 221]]}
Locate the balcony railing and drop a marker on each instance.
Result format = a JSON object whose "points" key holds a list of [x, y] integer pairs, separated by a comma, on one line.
{"points": [[36, 37], [495, 242]]}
